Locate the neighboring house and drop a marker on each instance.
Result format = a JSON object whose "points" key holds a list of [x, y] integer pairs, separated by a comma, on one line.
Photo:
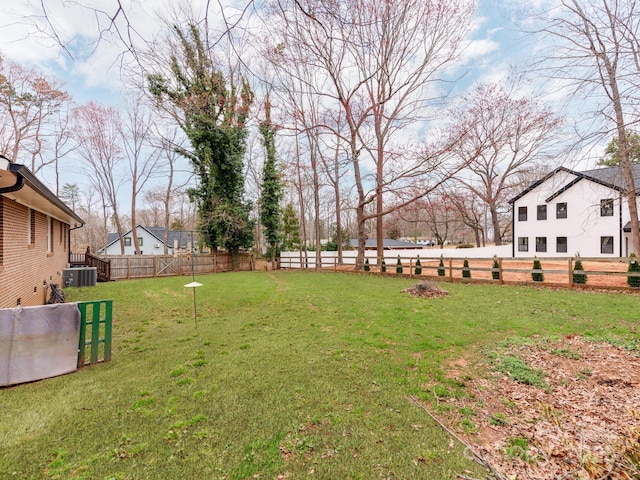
{"points": [[150, 240], [388, 243], [567, 213], [34, 237]]}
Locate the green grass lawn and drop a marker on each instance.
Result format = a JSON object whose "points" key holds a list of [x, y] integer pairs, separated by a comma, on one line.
{"points": [[287, 375]]}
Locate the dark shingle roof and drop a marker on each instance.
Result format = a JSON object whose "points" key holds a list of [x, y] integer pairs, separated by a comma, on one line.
{"points": [[613, 175], [182, 236], [609, 176]]}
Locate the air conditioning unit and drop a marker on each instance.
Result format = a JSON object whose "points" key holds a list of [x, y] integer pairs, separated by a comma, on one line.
{"points": [[79, 277]]}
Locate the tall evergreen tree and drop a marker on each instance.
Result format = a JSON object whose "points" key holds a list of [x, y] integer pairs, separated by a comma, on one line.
{"points": [[212, 112], [271, 195], [611, 156], [290, 228]]}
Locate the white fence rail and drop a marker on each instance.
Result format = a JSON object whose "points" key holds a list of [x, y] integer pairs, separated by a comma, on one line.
{"points": [[328, 259]]}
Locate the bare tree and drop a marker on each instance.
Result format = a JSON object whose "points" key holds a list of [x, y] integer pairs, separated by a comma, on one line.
{"points": [[472, 212], [63, 143], [170, 144], [439, 216], [29, 111], [334, 166], [505, 134], [596, 51], [376, 62], [97, 132], [141, 156]]}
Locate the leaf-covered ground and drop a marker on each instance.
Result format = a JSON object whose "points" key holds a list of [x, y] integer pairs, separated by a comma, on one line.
{"points": [[564, 409]]}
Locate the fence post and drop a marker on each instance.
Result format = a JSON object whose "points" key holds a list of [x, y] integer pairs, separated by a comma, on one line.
{"points": [[500, 271], [411, 267], [570, 270], [451, 269], [335, 264]]}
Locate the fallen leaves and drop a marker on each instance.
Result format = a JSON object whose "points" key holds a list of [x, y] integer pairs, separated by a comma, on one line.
{"points": [[586, 425]]}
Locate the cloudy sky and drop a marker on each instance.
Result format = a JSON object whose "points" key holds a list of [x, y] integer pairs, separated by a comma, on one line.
{"points": [[91, 70], [496, 42]]}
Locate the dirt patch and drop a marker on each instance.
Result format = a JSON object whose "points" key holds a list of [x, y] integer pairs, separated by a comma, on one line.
{"points": [[581, 421], [426, 290]]}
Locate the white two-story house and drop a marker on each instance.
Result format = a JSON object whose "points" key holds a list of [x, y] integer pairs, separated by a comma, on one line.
{"points": [[567, 213], [150, 240]]}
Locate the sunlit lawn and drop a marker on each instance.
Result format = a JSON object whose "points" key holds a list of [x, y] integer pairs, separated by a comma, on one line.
{"points": [[286, 375]]}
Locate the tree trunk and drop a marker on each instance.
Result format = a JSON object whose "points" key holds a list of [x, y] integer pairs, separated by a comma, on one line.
{"points": [[495, 220]]}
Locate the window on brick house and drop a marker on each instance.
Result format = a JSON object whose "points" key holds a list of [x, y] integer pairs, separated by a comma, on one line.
{"points": [[49, 234], [1, 233], [31, 227]]}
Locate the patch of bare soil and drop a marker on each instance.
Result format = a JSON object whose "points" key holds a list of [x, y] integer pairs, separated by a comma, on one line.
{"points": [[426, 290], [584, 425]]}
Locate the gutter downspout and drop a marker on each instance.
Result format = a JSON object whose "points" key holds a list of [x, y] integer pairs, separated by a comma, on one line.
{"points": [[69, 243], [513, 230], [16, 186], [620, 226]]}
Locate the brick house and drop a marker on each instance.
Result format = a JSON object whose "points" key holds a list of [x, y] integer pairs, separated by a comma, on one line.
{"points": [[34, 237]]}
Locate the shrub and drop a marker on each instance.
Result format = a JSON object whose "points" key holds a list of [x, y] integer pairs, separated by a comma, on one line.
{"points": [[383, 266], [466, 271], [399, 265], [418, 269], [634, 267], [578, 277], [495, 272], [441, 267], [537, 276], [367, 267]]}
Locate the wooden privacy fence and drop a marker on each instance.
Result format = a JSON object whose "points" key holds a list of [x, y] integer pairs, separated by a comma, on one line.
{"points": [[145, 266], [598, 272]]}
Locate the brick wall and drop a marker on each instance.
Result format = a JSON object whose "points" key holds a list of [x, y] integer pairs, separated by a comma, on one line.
{"points": [[26, 268]]}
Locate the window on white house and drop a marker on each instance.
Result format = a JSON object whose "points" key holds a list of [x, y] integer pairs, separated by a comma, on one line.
{"points": [[542, 212], [541, 244], [139, 241], [606, 207], [606, 244], [127, 241], [561, 210], [522, 214], [523, 244], [561, 244]]}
